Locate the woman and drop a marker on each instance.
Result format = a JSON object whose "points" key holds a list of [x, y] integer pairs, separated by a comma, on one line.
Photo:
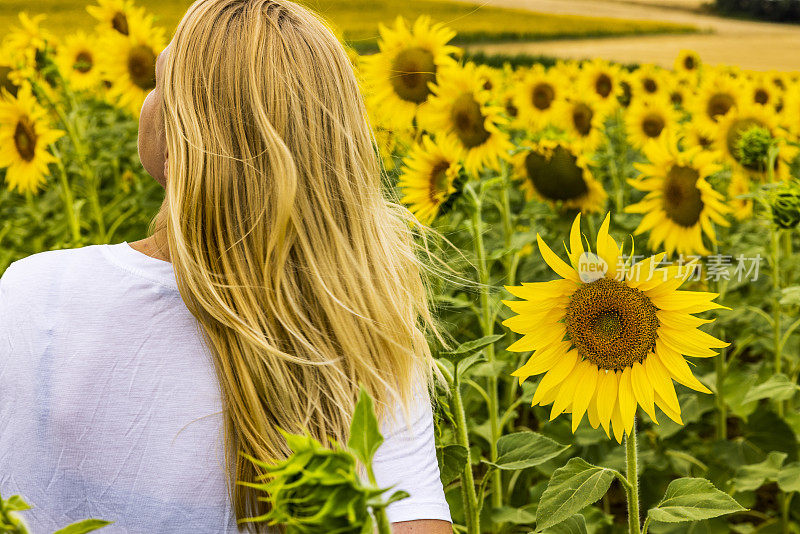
{"points": [[276, 279]]}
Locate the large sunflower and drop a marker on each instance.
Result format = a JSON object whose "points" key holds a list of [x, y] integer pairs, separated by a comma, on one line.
{"points": [[715, 97], [609, 342], [24, 139], [76, 60], [463, 111], [398, 79], [129, 63], [603, 79], [729, 137], [581, 117], [648, 120], [553, 171], [648, 81], [429, 179], [680, 205], [536, 94]]}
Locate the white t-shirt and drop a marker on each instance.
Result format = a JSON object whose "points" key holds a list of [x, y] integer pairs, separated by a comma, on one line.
{"points": [[110, 406]]}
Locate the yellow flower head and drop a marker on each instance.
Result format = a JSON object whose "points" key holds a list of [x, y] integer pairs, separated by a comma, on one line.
{"points": [[397, 80], [687, 62], [464, 111], [555, 172], [680, 205], [536, 94], [77, 61], [428, 182], [603, 79], [25, 136], [612, 337], [716, 96], [648, 120]]}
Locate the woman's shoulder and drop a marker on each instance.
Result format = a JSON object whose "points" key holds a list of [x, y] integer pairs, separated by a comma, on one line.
{"points": [[31, 273]]}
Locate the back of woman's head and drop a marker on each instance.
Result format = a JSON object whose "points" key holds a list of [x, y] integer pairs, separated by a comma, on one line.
{"points": [[303, 278]]}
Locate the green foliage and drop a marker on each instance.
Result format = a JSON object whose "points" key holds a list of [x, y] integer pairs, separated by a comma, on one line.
{"points": [[11, 522], [521, 450], [692, 499], [317, 489]]}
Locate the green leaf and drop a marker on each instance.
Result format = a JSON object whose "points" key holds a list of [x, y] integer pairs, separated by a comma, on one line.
{"points": [[573, 525], [365, 435], [693, 499], [463, 365], [572, 488], [525, 449], [751, 477], [471, 347], [777, 387], [15, 503], [452, 459], [789, 477], [87, 525], [516, 516]]}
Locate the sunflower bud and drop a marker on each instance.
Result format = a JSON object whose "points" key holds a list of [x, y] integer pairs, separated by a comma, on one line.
{"points": [[316, 490], [752, 147], [785, 205]]}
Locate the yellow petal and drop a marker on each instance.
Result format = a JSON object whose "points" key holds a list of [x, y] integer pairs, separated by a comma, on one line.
{"points": [[541, 361], [644, 271], [683, 300], [607, 248], [591, 410], [540, 339], [627, 400], [678, 367], [556, 375], [607, 387], [683, 343], [643, 390], [669, 412], [575, 241], [587, 385], [557, 264], [662, 383], [616, 423]]}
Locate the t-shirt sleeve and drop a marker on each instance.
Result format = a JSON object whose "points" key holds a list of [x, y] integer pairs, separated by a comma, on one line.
{"points": [[407, 461]]}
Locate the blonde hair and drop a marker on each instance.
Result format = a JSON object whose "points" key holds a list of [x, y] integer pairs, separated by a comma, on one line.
{"points": [[303, 276]]}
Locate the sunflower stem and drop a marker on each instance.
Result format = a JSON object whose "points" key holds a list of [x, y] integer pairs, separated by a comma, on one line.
{"points": [[472, 510], [487, 325], [632, 474], [382, 521], [722, 415], [69, 200]]}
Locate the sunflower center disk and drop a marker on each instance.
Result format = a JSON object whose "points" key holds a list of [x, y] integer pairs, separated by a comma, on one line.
{"points": [[142, 67], [603, 85], [411, 70], [682, 200], [25, 140], [582, 118], [688, 63], [650, 85], [468, 121], [559, 178], [761, 97], [719, 104], [120, 23], [542, 96], [610, 324], [83, 62], [653, 124]]}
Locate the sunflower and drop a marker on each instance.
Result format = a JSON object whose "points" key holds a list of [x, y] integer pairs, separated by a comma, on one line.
{"points": [[129, 62], [29, 37], [790, 112], [760, 91], [680, 205], [602, 79], [678, 91], [648, 81], [693, 136], [76, 61], [398, 79], [687, 62], [738, 191], [555, 172], [729, 137], [462, 110], [24, 137], [581, 117], [611, 341], [536, 94], [715, 97], [10, 79], [648, 120], [117, 16], [429, 181]]}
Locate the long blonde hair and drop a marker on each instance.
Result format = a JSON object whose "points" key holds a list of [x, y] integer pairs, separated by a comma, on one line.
{"points": [[302, 274]]}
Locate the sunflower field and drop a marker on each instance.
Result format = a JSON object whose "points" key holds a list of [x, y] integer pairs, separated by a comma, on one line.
{"points": [[615, 257]]}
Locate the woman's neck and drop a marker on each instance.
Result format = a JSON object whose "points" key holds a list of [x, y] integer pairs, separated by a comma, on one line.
{"points": [[152, 246]]}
